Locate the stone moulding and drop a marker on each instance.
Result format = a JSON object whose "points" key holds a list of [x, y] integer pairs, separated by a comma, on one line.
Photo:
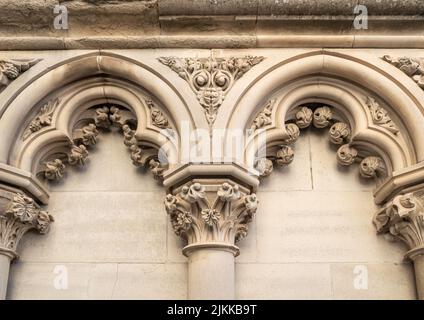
{"points": [[211, 78]]}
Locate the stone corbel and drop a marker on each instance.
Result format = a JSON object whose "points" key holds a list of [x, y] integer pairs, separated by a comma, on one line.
{"points": [[19, 213], [403, 218]]}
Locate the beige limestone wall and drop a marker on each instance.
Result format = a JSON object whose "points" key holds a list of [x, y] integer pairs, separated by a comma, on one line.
{"points": [[112, 234]]}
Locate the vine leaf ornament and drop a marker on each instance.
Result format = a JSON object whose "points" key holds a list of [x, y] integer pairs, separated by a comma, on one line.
{"points": [[12, 69], [42, 119], [221, 217], [412, 67], [21, 215], [380, 116], [211, 78]]}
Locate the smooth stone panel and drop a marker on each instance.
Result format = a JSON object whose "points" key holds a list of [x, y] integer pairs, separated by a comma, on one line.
{"points": [[283, 281], [295, 176], [101, 227], [151, 281], [99, 281], [109, 169], [385, 281], [320, 227], [327, 174]]}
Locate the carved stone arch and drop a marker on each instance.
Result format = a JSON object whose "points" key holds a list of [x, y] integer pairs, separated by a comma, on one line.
{"points": [[41, 119], [350, 85], [14, 107]]}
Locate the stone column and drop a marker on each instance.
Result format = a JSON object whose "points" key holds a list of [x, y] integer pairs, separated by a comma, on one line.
{"points": [[403, 218], [17, 216], [212, 216]]}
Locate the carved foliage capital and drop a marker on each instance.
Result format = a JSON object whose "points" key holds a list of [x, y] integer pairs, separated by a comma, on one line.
{"points": [[404, 219], [21, 215], [200, 215]]}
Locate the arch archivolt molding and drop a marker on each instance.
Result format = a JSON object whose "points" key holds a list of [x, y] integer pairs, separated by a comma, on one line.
{"points": [[373, 120]]}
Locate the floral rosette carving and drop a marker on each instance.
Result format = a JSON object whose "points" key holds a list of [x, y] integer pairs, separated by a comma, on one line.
{"points": [[293, 133], [322, 117], [54, 170], [198, 220], [346, 155], [412, 67], [304, 117], [21, 215], [339, 133], [372, 167], [285, 156]]}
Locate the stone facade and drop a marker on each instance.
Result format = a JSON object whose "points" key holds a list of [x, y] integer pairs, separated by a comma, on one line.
{"points": [[271, 170]]}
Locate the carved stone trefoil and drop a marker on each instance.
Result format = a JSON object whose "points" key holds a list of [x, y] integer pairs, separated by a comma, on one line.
{"points": [[211, 78], [21, 215], [11, 69], [218, 216], [413, 67], [380, 116], [42, 119]]}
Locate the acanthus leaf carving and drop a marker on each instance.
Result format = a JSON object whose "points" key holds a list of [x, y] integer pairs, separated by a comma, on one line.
{"points": [[223, 220], [403, 218], [211, 78], [158, 117], [12, 69], [412, 67], [264, 117], [21, 215], [42, 119], [380, 116]]}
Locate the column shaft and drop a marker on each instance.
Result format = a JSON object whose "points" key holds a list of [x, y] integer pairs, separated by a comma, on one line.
{"points": [[211, 274], [4, 275], [419, 275]]}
